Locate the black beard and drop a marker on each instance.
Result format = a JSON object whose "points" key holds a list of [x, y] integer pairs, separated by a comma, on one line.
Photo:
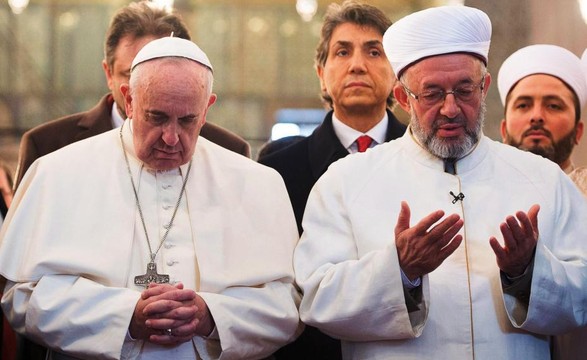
{"points": [[556, 152]]}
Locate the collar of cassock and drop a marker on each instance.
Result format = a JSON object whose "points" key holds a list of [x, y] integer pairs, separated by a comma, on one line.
{"points": [[463, 165]]}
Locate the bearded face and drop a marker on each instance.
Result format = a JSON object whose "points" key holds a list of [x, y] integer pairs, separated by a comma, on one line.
{"points": [[449, 148], [556, 151]]}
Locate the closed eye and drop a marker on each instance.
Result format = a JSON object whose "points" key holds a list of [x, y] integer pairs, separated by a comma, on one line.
{"points": [[187, 120]]}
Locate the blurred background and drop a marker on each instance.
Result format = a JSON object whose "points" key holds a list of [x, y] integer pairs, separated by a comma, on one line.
{"points": [[262, 52]]}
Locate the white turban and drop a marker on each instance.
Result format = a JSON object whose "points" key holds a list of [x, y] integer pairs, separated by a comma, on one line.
{"points": [[584, 61], [437, 31], [171, 47], [543, 59]]}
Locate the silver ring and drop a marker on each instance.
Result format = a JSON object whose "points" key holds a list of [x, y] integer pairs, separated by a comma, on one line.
{"points": [[168, 332]]}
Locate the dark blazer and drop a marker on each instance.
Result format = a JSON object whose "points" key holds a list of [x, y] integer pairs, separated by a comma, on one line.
{"points": [[301, 165], [56, 134]]}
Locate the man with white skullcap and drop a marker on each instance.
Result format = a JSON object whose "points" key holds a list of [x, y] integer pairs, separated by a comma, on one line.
{"points": [[543, 89], [443, 244], [182, 256]]}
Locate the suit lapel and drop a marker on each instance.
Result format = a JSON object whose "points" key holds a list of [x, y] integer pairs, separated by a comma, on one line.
{"points": [[97, 120]]}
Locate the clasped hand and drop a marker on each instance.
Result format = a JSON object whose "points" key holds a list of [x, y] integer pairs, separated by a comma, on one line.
{"points": [[423, 247], [164, 306]]}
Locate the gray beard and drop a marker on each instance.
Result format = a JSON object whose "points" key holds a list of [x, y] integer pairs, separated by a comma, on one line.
{"points": [[443, 148]]}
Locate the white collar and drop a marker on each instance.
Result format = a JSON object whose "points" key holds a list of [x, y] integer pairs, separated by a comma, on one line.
{"points": [[347, 135], [117, 119]]}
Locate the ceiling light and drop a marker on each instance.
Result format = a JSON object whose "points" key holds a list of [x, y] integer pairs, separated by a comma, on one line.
{"points": [[18, 6], [306, 9]]}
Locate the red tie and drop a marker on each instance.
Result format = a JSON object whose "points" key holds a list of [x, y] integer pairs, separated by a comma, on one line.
{"points": [[363, 142]]}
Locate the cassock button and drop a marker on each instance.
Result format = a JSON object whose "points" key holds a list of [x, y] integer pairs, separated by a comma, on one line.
{"points": [[171, 262], [168, 245], [166, 226], [166, 186], [167, 207]]}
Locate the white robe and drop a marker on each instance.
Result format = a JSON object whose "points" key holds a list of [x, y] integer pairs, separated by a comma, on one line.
{"points": [[68, 243], [347, 265], [573, 345]]}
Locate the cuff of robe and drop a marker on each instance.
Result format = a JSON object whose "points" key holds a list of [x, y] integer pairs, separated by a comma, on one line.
{"points": [[519, 286], [408, 283], [128, 337], [213, 335]]}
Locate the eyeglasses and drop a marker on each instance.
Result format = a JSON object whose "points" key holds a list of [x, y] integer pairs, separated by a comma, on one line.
{"points": [[463, 93]]}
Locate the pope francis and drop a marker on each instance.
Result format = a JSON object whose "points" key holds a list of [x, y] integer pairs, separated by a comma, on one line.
{"points": [[138, 244]]}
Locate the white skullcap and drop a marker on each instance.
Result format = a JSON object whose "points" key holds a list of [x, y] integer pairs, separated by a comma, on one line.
{"points": [[542, 59], [437, 31], [171, 47]]}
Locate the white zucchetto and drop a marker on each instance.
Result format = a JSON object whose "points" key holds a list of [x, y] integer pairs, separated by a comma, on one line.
{"points": [[437, 31], [543, 59], [171, 47]]}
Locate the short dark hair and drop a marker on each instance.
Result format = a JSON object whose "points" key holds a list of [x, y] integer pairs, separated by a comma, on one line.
{"points": [[140, 19], [350, 11]]}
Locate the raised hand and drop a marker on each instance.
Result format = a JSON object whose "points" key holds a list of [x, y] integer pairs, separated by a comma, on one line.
{"points": [[422, 248], [520, 235]]}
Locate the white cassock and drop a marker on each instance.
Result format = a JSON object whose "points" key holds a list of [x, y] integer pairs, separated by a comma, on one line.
{"points": [[73, 243], [347, 265]]}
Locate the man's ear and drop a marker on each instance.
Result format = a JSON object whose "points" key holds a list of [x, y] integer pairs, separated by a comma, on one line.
{"points": [[125, 90], [502, 129], [579, 134], [486, 84], [401, 97], [320, 73], [108, 74]]}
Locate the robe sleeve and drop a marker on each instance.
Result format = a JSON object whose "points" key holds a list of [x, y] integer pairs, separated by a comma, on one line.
{"points": [[347, 296], [70, 314], [252, 322], [558, 300]]}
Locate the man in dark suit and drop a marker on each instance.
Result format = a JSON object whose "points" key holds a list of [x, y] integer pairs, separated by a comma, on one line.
{"points": [[130, 29], [357, 82]]}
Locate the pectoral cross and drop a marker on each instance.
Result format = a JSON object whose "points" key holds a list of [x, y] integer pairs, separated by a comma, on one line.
{"points": [[151, 276]]}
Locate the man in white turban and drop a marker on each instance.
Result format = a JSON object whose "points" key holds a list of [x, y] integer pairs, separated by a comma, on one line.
{"points": [[441, 245], [180, 256], [543, 89]]}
